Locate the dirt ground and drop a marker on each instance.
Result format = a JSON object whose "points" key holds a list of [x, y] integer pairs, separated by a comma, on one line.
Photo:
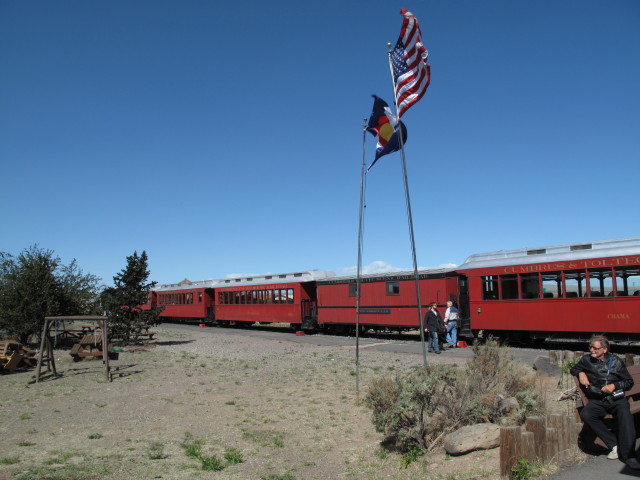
{"points": [[287, 410]]}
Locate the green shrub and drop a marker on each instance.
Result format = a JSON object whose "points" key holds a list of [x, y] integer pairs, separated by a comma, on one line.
{"points": [[211, 463], [522, 470], [233, 456], [409, 457], [407, 408], [416, 409]]}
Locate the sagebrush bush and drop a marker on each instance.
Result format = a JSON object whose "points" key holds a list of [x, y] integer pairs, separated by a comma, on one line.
{"points": [[416, 409]]}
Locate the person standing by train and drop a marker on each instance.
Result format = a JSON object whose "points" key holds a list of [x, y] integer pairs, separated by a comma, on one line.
{"points": [[451, 322], [433, 323], [604, 379]]}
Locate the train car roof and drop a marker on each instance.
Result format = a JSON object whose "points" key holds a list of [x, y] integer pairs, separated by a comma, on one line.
{"points": [[292, 277], [576, 251], [307, 276], [388, 276], [186, 285]]}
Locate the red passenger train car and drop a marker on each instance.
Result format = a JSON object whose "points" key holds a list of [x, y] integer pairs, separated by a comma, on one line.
{"points": [[564, 292], [387, 301], [282, 298], [185, 301]]}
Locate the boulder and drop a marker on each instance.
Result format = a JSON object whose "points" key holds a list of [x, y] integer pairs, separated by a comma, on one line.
{"points": [[481, 436], [506, 406], [542, 365]]}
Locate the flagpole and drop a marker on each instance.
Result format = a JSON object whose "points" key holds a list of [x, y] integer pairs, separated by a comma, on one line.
{"points": [[409, 216], [359, 267]]}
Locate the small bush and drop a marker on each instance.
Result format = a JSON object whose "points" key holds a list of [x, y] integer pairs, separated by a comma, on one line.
{"points": [[522, 470], [410, 457], [211, 463], [156, 451], [416, 409], [193, 449], [233, 456]]}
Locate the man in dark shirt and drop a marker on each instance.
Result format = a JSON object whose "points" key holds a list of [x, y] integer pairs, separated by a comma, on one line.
{"points": [[605, 378]]}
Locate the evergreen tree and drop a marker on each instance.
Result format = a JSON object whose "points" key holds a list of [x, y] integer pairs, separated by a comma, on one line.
{"points": [[36, 284], [127, 302]]}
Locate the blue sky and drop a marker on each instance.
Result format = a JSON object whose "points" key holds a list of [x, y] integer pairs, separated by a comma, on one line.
{"points": [[227, 138]]}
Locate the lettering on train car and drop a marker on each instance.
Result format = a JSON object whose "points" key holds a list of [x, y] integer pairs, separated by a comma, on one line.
{"points": [[375, 311]]}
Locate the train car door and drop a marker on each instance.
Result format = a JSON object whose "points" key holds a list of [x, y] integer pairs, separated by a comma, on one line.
{"points": [[309, 316], [463, 307]]}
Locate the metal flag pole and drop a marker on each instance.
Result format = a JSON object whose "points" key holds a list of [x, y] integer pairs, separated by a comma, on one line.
{"points": [[359, 267], [409, 216]]}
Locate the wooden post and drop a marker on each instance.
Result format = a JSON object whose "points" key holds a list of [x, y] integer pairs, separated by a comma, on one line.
{"points": [[572, 433], [528, 446], [556, 422], [536, 425], [551, 446], [553, 357], [510, 449], [105, 349], [577, 355], [628, 359]]}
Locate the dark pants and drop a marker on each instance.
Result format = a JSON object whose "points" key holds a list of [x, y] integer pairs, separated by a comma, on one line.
{"points": [[592, 415]]}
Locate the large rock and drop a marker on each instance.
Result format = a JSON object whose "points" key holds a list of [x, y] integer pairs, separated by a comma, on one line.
{"points": [[542, 365], [506, 406], [482, 436]]}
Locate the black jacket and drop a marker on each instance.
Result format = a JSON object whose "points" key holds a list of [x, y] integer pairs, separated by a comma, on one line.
{"points": [[596, 371], [433, 321]]}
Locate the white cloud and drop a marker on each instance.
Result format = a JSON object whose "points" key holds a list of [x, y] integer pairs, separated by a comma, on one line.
{"points": [[379, 266]]}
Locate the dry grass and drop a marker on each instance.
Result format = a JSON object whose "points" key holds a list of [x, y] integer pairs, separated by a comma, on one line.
{"points": [[285, 409]]}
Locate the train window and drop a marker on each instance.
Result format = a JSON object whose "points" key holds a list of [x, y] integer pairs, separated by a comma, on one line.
{"points": [[254, 297], [268, 277], [290, 295], [282, 276], [490, 287], [530, 285], [574, 283], [353, 289], [627, 282], [600, 282], [393, 288], [509, 287], [297, 274], [551, 285]]}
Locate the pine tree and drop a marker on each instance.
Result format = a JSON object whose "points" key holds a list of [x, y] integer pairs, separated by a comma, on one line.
{"points": [[126, 302]]}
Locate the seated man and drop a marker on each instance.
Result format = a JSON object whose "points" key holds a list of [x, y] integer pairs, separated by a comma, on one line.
{"points": [[605, 378]]}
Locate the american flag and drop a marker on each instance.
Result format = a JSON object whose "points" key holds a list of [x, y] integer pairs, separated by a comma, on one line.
{"points": [[411, 73]]}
